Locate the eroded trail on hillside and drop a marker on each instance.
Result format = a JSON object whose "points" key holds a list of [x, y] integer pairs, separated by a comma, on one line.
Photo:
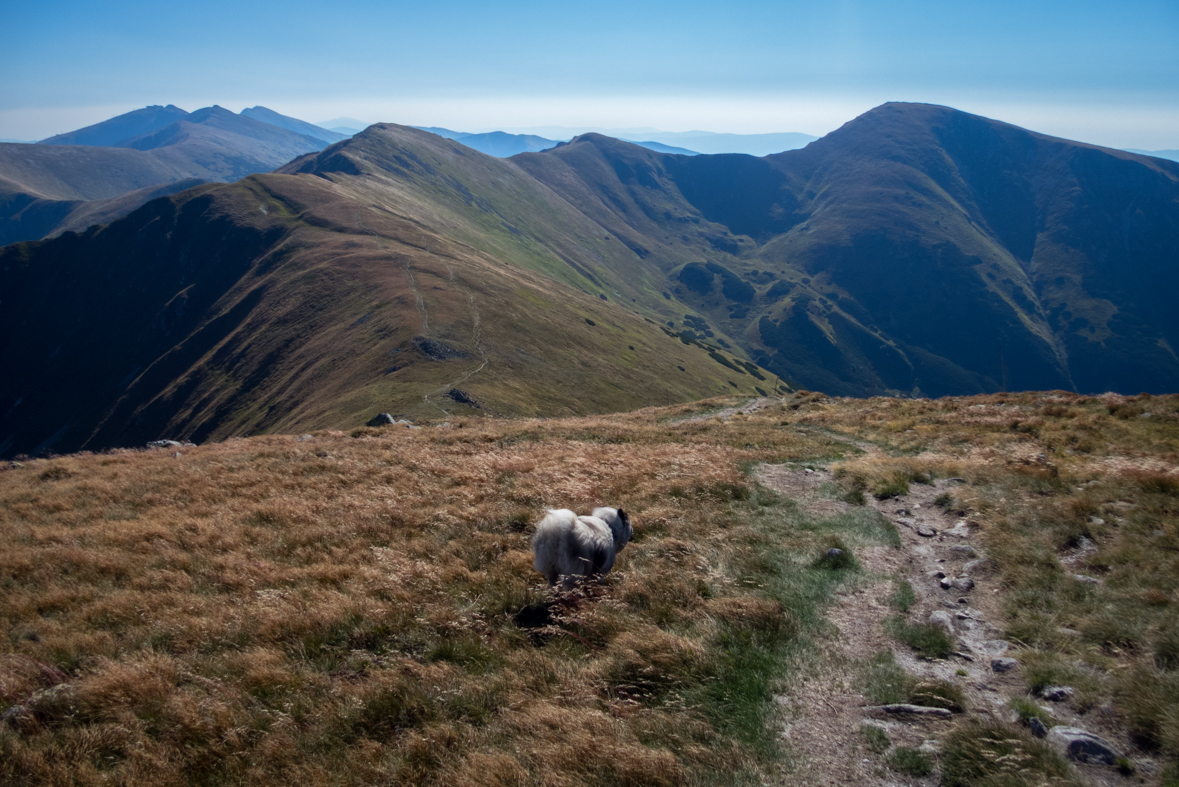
{"points": [[476, 340], [827, 707]]}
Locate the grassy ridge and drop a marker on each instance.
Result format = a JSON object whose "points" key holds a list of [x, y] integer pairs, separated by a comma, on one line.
{"points": [[361, 607]]}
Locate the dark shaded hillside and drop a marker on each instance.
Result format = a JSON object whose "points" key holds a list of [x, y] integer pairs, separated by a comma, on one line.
{"points": [[917, 249]]}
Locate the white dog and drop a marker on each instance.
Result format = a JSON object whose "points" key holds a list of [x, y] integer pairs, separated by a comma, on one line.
{"points": [[573, 546]]}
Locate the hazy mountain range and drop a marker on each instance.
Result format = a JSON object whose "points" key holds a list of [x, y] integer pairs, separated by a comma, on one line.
{"points": [[916, 250], [44, 193], [98, 173], [504, 145]]}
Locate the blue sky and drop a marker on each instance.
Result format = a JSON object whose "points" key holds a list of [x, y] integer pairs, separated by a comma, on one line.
{"points": [[1098, 72]]}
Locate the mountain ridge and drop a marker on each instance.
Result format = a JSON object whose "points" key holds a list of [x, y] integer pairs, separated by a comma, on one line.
{"points": [[916, 250]]}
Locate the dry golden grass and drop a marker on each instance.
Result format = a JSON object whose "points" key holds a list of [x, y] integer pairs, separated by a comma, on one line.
{"points": [[361, 608]]}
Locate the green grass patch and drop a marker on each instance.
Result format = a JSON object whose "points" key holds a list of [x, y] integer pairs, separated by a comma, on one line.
{"points": [[1028, 710], [886, 683], [903, 596], [876, 738], [925, 638], [910, 761]]}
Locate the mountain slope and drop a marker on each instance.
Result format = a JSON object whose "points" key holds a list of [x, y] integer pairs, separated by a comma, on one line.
{"points": [[842, 259], [347, 285]]}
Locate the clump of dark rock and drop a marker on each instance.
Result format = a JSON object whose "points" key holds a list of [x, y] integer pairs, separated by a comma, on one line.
{"points": [[462, 397]]}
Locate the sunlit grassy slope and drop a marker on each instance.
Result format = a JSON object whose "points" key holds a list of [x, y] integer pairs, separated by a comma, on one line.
{"points": [[295, 302], [360, 607]]}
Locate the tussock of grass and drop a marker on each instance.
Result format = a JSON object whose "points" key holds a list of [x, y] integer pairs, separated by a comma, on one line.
{"points": [[984, 754], [836, 556], [892, 486], [1150, 698], [925, 638], [938, 694]]}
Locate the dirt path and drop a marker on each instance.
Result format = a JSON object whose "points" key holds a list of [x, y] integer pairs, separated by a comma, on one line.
{"points": [[825, 710]]}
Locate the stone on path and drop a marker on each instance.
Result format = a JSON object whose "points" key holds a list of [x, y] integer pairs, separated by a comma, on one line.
{"points": [[961, 529], [1083, 746], [996, 646], [1056, 693], [915, 710], [1004, 664], [926, 532]]}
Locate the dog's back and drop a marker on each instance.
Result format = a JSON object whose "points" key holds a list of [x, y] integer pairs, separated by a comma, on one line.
{"points": [[565, 543]]}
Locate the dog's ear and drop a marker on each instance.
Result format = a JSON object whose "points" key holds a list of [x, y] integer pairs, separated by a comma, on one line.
{"points": [[622, 515]]}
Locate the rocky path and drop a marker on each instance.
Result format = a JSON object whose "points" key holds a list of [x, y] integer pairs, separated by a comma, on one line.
{"points": [[826, 709], [942, 559]]}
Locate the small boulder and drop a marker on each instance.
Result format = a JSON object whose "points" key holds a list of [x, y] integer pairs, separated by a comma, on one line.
{"points": [[1086, 579], [384, 419], [462, 397], [942, 620], [303, 438], [961, 529], [915, 710], [1083, 746], [926, 532], [1004, 664], [164, 444], [947, 583], [996, 646], [1038, 728], [962, 583], [834, 553], [1056, 693]]}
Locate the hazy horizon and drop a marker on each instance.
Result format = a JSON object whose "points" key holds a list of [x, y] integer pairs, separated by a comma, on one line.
{"points": [[1079, 71]]}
